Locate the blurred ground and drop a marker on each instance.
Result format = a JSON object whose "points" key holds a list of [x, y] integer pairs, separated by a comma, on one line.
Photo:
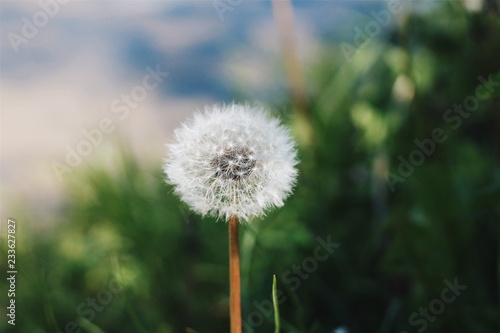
{"points": [[64, 78]]}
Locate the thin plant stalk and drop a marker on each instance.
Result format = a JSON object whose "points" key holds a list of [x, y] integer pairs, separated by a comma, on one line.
{"points": [[275, 306], [284, 17], [234, 276]]}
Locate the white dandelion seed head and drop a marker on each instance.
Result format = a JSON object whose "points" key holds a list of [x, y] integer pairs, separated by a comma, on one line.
{"points": [[232, 160]]}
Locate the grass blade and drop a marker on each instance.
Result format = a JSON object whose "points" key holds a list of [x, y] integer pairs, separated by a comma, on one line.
{"points": [[275, 305]]}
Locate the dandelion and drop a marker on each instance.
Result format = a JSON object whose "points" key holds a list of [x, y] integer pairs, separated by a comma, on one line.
{"points": [[233, 162]]}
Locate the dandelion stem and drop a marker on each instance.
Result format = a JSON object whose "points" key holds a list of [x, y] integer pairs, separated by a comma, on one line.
{"points": [[234, 276]]}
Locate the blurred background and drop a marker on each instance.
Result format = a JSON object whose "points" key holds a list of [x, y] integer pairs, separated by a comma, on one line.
{"points": [[395, 108]]}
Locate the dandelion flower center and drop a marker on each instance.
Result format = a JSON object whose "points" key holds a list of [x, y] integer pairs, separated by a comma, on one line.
{"points": [[233, 163]]}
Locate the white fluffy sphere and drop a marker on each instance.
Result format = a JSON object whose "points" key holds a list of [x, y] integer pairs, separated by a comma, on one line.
{"points": [[232, 160]]}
